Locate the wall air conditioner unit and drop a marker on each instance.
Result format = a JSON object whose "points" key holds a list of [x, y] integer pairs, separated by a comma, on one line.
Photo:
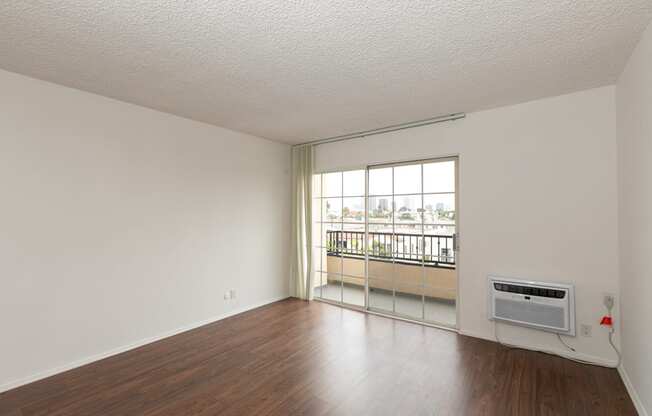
{"points": [[545, 306]]}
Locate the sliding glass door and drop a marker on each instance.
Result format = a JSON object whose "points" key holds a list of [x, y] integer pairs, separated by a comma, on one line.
{"points": [[385, 239]]}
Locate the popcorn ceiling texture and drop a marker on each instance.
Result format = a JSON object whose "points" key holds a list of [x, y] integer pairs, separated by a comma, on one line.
{"points": [[294, 71]]}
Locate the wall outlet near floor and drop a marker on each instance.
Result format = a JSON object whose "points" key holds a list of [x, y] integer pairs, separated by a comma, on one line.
{"points": [[608, 300], [233, 293], [227, 295], [586, 330]]}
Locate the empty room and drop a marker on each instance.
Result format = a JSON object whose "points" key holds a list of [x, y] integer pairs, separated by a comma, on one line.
{"points": [[325, 208]]}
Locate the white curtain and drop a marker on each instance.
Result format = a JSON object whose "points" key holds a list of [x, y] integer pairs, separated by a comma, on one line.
{"points": [[301, 270]]}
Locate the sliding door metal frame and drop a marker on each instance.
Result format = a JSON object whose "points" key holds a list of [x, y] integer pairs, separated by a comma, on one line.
{"points": [[391, 245], [321, 238], [341, 249], [423, 253], [366, 239]]}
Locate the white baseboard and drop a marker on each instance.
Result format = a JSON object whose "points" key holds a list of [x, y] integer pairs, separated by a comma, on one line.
{"points": [[96, 357], [638, 404], [561, 353]]}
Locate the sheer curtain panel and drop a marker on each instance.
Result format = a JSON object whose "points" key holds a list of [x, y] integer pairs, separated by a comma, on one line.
{"points": [[302, 270]]}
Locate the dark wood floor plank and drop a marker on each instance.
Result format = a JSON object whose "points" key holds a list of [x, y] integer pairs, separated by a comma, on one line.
{"points": [[299, 358]]}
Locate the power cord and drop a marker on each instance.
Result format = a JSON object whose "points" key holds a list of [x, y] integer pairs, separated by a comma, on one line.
{"points": [[577, 360], [609, 303], [564, 342], [611, 341]]}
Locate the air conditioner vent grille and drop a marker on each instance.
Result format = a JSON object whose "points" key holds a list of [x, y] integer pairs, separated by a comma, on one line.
{"points": [[530, 312], [529, 290]]}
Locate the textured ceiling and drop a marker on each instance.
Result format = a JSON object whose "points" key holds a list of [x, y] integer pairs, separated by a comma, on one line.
{"points": [[296, 70]]}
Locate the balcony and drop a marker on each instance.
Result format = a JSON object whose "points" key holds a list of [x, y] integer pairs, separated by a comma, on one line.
{"points": [[409, 274]]}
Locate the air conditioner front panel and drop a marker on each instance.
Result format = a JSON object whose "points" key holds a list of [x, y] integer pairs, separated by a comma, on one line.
{"points": [[540, 305]]}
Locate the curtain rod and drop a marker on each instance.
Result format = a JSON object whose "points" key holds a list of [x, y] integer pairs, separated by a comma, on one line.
{"points": [[386, 129]]}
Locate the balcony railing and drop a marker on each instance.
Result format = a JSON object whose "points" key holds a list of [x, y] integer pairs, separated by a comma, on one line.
{"points": [[430, 250]]}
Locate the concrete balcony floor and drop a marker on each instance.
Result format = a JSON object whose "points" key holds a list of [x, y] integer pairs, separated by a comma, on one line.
{"points": [[439, 311]]}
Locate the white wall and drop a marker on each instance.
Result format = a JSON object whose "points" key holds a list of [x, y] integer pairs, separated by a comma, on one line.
{"points": [[538, 200], [120, 224], [634, 114]]}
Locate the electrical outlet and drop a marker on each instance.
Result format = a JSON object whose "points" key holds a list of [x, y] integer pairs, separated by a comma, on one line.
{"points": [[227, 295], [608, 300], [586, 330], [233, 293]]}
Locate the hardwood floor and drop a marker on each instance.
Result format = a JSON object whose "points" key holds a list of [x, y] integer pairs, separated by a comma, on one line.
{"points": [[294, 357]]}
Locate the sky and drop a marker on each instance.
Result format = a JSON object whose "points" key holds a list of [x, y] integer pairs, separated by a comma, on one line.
{"points": [[404, 181], [437, 177]]}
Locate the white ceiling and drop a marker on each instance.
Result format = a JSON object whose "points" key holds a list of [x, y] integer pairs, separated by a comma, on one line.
{"points": [[293, 71]]}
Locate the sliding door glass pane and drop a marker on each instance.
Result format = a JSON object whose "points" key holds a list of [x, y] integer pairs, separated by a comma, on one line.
{"points": [[316, 210], [332, 209], [353, 290], [330, 234], [439, 177], [316, 186], [353, 267], [381, 267], [409, 300], [440, 295], [381, 294], [353, 248], [332, 290], [408, 242], [353, 183], [407, 179], [439, 245], [332, 184], [353, 210], [380, 209], [408, 271], [439, 209], [380, 181], [319, 258], [316, 268], [353, 244], [407, 209], [380, 238], [318, 283]]}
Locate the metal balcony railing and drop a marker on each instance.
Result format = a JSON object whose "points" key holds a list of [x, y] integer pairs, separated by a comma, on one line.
{"points": [[430, 250]]}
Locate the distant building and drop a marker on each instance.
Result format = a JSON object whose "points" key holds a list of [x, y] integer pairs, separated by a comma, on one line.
{"points": [[408, 203], [383, 204]]}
